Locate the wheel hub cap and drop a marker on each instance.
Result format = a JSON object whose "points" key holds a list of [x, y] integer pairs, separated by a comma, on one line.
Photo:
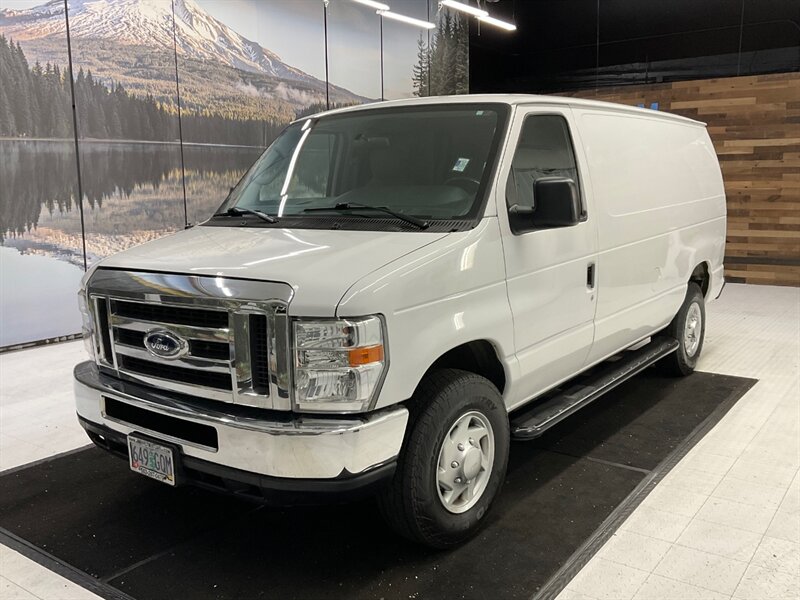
{"points": [[692, 330], [472, 463], [465, 462]]}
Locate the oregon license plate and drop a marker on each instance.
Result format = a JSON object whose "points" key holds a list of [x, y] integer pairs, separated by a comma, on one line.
{"points": [[151, 459]]}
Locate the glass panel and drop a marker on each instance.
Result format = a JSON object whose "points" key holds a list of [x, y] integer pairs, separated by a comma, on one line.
{"points": [[672, 41], [770, 37], [544, 150], [354, 54], [312, 172], [430, 162], [449, 54], [125, 95], [405, 51], [41, 255]]}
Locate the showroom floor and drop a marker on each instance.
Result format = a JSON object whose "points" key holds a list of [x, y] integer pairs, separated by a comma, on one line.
{"points": [[724, 523]]}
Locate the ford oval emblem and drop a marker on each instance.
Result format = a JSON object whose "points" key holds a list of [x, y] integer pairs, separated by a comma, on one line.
{"points": [[164, 344]]}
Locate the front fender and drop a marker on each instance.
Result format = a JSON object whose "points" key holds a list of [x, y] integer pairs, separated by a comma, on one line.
{"points": [[441, 296]]}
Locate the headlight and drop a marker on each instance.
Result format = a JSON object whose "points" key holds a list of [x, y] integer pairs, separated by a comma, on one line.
{"points": [[88, 323], [338, 364]]}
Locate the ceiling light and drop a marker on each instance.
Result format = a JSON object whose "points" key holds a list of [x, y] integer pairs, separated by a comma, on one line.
{"points": [[498, 23], [464, 8], [477, 12], [405, 19], [373, 4]]}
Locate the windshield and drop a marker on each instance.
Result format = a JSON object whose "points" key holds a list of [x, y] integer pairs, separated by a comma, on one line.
{"points": [[430, 162]]}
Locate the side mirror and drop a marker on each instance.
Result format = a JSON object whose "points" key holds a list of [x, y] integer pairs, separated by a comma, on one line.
{"points": [[556, 203]]}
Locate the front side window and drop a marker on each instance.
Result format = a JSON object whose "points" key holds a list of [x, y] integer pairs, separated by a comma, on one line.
{"points": [[430, 163], [544, 151]]}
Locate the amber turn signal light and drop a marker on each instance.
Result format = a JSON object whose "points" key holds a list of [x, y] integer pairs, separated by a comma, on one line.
{"points": [[365, 356]]}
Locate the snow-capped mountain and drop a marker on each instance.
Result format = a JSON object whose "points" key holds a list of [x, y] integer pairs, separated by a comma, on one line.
{"points": [[135, 22]]}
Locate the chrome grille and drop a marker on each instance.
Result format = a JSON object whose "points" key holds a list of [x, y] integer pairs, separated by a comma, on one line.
{"points": [[160, 313], [259, 347], [233, 334]]}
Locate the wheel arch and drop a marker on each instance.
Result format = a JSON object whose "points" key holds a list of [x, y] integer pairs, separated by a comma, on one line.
{"points": [[477, 356], [701, 275]]}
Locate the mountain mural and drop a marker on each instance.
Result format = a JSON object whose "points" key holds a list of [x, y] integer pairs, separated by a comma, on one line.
{"points": [[130, 42], [137, 181]]}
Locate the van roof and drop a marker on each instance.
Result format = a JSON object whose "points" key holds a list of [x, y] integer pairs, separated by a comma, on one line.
{"points": [[515, 100]]}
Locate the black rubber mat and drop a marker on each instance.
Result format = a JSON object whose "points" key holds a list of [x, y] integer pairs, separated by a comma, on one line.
{"points": [[149, 541]]}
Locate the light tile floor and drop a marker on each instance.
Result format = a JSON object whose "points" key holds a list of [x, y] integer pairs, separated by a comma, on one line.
{"points": [[725, 523], [37, 407], [37, 420]]}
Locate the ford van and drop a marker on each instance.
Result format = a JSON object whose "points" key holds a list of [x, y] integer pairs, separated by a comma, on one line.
{"points": [[395, 291]]}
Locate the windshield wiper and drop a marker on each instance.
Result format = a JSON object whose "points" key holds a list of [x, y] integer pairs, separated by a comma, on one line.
{"points": [[236, 211], [384, 209]]}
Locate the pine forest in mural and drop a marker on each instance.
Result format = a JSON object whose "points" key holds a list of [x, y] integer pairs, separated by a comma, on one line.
{"points": [[443, 68], [35, 104]]}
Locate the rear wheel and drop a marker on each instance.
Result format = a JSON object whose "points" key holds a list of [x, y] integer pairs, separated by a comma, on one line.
{"points": [[688, 328], [453, 461]]}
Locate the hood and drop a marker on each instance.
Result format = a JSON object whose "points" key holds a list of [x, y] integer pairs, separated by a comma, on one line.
{"points": [[321, 265]]}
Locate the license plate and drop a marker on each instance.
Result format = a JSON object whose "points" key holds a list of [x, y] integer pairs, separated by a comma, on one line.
{"points": [[151, 459]]}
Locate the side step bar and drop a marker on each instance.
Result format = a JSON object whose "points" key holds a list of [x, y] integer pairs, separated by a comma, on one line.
{"points": [[534, 421]]}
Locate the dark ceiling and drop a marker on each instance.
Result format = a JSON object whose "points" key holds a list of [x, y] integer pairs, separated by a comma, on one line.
{"points": [[568, 44]]}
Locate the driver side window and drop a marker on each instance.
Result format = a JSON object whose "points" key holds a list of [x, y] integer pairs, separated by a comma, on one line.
{"points": [[544, 150]]}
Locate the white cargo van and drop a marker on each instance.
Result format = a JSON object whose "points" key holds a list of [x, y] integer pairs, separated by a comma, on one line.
{"points": [[394, 291]]}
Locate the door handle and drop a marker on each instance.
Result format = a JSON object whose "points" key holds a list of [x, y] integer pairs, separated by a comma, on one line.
{"points": [[590, 275]]}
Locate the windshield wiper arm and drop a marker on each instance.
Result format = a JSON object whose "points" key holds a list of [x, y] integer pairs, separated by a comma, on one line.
{"points": [[384, 209], [236, 211]]}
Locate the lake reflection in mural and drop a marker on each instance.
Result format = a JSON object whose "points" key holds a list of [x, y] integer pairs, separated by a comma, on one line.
{"points": [[132, 193]]}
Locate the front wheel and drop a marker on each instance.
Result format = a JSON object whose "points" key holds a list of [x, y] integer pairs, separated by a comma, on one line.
{"points": [[453, 461], [688, 328]]}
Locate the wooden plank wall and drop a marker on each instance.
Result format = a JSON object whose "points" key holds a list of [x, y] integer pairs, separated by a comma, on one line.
{"points": [[754, 123]]}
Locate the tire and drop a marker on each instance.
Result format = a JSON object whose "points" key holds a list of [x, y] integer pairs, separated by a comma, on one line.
{"points": [[683, 361], [415, 504]]}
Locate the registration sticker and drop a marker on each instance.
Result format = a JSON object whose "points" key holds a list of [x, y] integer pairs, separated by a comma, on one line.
{"points": [[461, 164], [151, 459]]}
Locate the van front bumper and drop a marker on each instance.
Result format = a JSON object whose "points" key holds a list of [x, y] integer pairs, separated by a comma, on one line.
{"points": [[254, 449]]}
